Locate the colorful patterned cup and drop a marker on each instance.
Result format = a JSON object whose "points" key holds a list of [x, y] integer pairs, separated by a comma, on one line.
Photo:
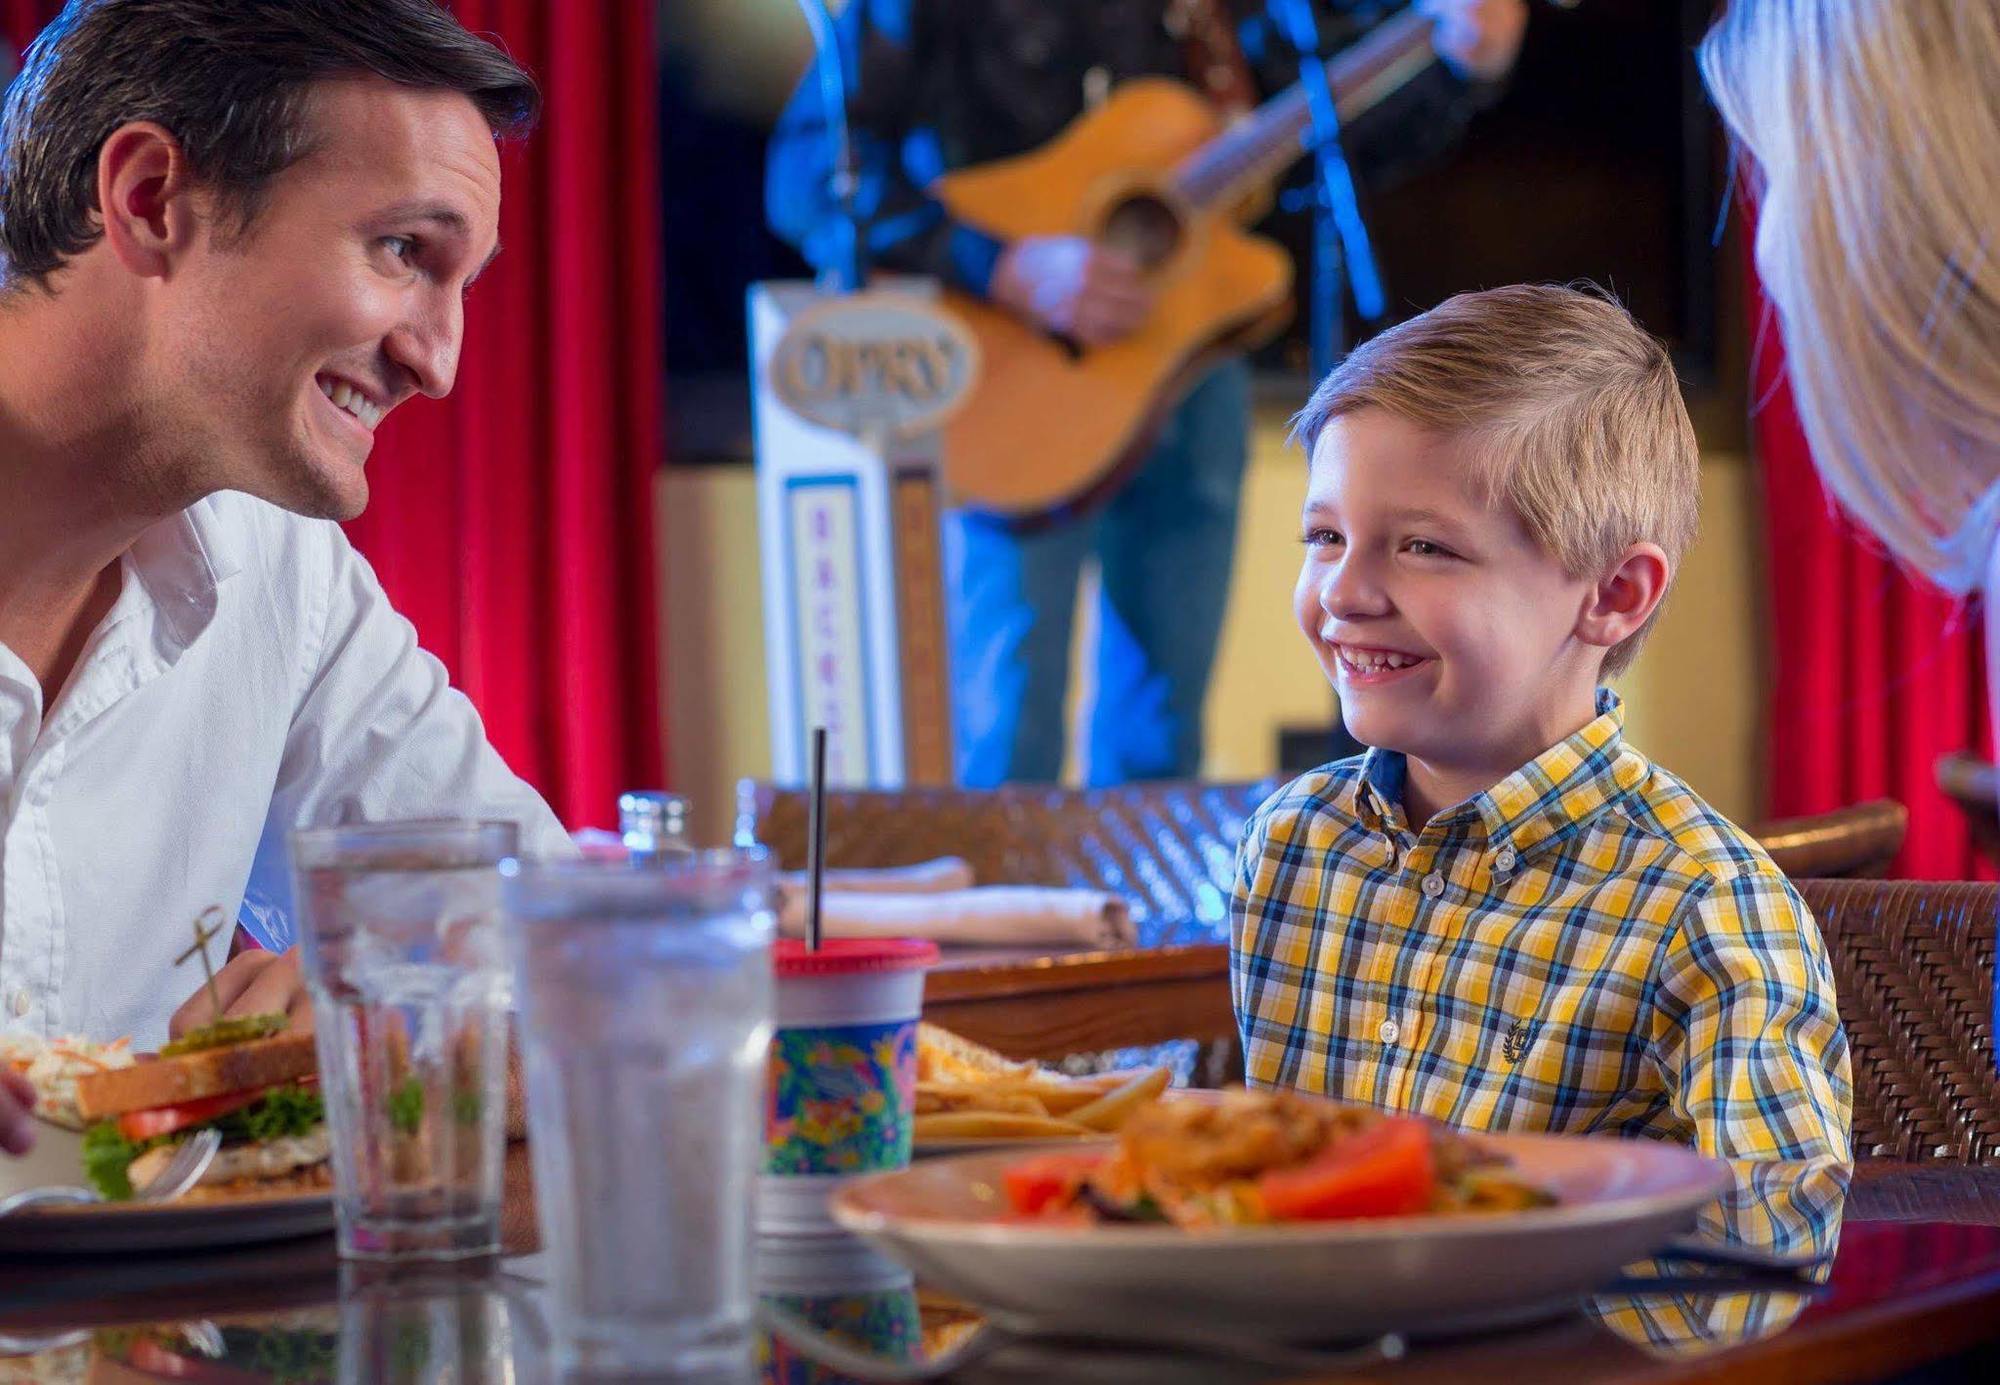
{"points": [[840, 1286], [841, 1088]]}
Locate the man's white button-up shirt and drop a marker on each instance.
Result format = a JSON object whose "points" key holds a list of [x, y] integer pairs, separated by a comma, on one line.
{"points": [[250, 678]]}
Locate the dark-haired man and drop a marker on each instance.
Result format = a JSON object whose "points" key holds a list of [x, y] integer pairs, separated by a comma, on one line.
{"points": [[236, 234]]}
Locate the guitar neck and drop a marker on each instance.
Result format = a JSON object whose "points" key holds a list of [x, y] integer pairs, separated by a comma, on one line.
{"points": [[1265, 143]]}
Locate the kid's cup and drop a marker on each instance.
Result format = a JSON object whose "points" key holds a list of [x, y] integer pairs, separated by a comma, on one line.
{"points": [[841, 1287], [841, 1087]]}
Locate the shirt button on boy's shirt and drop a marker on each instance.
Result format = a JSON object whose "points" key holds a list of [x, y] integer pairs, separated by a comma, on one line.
{"points": [[1433, 885], [1390, 1030], [1505, 860]]}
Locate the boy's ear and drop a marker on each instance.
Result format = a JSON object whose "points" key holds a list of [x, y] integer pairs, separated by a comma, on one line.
{"points": [[145, 197], [1627, 593]]}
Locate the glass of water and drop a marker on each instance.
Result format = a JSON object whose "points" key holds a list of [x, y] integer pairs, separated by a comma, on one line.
{"points": [[645, 996], [434, 1324], [411, 991]]}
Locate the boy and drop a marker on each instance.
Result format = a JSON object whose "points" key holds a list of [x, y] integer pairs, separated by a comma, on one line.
{"points": [[1503, 916]]}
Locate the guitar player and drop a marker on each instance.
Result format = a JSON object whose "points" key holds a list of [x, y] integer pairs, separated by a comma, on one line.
{"points": [[944, 84]]}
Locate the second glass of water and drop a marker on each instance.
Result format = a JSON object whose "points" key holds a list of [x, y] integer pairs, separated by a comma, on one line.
{"points": [[645, 1016], [411, 990]]}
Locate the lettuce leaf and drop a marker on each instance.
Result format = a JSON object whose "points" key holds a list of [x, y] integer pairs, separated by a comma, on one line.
{"points": [[283, 1111], [280, 1112], [107, 1159]]}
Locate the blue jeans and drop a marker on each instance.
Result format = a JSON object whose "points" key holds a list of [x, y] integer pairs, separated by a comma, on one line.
{"points": [[1164, 545]]}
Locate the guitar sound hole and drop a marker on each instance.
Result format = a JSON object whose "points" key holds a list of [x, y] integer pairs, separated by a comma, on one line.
{"points": [[1145, 228]]}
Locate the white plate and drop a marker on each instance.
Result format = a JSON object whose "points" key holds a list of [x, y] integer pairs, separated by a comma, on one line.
{"points": [[1619, 1201], [146, 1226], [103, 1228], [111, 1227]]}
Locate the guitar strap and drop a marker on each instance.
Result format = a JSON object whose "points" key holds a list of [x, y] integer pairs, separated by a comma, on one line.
{"points": [[1215, 61]]}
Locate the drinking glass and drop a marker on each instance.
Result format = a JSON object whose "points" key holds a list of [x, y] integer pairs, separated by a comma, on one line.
{"points": [[645, 1015], [403, 1324], [410, 986]]}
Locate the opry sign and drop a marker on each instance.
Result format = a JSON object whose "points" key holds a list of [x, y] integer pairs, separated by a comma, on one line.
{"points": [[880, 363], [848, 392]]}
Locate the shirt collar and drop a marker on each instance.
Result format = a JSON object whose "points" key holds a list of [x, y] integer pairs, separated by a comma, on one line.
{"points": [[1570, 782], [181, 562]]}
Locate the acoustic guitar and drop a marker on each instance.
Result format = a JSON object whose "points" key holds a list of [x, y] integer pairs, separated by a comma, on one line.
{"points": [[1050, 426]]}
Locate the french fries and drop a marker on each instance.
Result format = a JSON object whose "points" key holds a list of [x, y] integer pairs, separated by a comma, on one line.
{"points": [[996, 1125], [966, 1092], [1109, 1111]]}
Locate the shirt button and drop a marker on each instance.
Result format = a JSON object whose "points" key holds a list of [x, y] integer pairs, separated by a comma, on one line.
{"points": [[1504, 859], [1390, 1031], [21, 1003], [1433, 885]]}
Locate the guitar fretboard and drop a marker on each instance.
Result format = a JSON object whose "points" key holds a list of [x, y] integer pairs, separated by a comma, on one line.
{"points": [[1264, 143]]}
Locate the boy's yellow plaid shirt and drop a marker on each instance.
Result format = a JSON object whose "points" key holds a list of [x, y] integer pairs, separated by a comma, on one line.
{"points": [[1585, 947]]}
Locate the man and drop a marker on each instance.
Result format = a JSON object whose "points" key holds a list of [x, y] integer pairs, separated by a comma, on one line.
{"points": [[236, 234], [947, 85]]}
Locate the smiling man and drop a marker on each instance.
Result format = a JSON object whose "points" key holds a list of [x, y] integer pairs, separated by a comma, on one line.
{"points": [[234, 236]]}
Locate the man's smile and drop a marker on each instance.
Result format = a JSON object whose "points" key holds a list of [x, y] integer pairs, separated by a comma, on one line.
{"points": [[352, 400]]}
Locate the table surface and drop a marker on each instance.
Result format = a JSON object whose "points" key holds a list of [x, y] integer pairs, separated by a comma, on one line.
{"points": [[1917, 1279]]}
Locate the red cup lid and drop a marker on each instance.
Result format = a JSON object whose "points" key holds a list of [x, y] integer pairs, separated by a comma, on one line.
{"points": [[853, 956]]}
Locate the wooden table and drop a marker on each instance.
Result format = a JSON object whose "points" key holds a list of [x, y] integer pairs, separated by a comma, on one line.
{"points": [[1917, 1281], [1026, 1004]]}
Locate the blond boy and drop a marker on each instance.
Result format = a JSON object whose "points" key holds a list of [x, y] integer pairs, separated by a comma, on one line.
{"points": [[1503, 915]]}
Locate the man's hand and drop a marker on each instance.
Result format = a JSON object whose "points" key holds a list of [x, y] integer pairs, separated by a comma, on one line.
{"points": [[1478, 39], [253, 983], [17, 1099], [1071, 286]]}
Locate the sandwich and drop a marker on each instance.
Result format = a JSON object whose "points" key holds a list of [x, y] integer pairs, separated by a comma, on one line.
{"points": [[251, 1079], [943, 1056]]}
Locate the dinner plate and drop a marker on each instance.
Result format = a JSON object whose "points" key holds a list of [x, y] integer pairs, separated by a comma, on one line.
{"points": [[1618, 1202], [104, 1228], [98, 1228]]}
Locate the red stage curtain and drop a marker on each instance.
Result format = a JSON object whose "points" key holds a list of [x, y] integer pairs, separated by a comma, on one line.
{"points": [[512, 522], [1876, 673], [21, 20]]}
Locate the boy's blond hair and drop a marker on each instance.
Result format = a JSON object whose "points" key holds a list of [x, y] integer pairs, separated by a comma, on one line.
{"points": [[1562, 407]]}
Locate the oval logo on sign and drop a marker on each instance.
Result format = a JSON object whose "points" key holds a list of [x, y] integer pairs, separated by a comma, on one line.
{"points": [[877, 362]]}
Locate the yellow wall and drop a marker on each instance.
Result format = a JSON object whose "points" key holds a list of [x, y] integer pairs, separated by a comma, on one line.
{"points": [[712, 646], [1692, 697]]}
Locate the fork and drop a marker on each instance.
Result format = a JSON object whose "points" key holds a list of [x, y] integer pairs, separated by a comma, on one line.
{"points": [[191, 1160]]}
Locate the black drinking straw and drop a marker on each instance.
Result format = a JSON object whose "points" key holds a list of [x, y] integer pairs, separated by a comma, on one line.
{"points": [[816, 838]]}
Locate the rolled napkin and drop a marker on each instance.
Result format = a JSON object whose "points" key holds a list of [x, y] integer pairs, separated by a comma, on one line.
{"points": [[991, 916], [925, 877]]}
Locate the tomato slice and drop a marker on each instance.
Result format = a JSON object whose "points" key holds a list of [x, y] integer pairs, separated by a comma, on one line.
{"points": [[165, 1120], [1047, 1182], [1386, 1171]]}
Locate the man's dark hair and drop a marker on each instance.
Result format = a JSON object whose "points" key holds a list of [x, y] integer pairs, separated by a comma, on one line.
{"points": [[230, 79]]}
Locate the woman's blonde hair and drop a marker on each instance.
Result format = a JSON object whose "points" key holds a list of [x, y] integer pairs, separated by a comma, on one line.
{"points": [[1875, 128]]}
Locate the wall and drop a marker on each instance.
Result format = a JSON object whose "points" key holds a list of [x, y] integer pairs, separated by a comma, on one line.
{"points": [[1693, 697]]}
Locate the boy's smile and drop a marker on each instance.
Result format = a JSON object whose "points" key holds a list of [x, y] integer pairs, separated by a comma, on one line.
{"points": [[1449, 633], [1372, 667]]}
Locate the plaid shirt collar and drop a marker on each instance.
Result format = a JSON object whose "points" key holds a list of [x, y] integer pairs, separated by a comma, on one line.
{"points": [[1562, 788]]}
